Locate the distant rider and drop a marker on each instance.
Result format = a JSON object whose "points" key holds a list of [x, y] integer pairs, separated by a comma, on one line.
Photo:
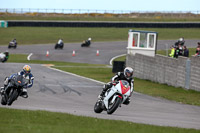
{"points": [[180, 41], [88, 42], [126, 75], [26, 73], [14, 41], [60, 42], [4, 56]]}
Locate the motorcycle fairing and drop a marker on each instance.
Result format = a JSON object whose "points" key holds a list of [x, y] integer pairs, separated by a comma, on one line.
{"points": [[124, 87]]}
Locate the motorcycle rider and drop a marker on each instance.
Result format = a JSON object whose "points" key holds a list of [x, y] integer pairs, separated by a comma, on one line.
{"points": [[180, 41], [14, 40], [4, 56], [88, 42], [26, 73], [60, 42], [126, 75]]}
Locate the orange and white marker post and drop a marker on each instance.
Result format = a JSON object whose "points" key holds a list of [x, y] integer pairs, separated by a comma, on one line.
{"points": [[97, 54], [47, 53], [73, 53]]}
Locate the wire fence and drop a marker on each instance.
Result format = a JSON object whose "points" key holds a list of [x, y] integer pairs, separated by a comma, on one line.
{"points": [[88, 11]]}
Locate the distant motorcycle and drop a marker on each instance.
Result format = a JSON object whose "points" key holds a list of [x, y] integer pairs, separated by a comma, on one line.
{"points": [[61, 45], [4, 56], [13, 89], [12, 45], [86, 43], [113, 98]]}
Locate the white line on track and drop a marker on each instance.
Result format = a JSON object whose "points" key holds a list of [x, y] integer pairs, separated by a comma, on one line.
{"points": [[29, 56], [115, 58], [76, 75], [81, 76]]}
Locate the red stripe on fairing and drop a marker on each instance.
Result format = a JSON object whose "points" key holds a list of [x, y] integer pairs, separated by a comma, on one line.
{"points": [[123, 88], [119, 96]]}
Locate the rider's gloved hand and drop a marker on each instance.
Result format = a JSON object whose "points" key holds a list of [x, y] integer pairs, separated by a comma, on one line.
{"points": [[115, 82]]}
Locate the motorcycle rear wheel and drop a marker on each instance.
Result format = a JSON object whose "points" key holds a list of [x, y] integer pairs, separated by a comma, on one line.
{"points": [[114, 106]]}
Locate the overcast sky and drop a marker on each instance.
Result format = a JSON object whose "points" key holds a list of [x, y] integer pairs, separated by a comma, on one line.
{"points": [[133, 5]]}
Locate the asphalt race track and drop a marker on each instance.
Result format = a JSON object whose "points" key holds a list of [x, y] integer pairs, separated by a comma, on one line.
{"points": [[107, 50], [58, 91]]}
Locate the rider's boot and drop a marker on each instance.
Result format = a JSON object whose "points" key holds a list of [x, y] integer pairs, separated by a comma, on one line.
{"points": [[24, 93], [102, 94], [105, 88]]}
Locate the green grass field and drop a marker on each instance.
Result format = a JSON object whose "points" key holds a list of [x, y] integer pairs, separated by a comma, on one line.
{"points": [[24, 121], [46, 35]]}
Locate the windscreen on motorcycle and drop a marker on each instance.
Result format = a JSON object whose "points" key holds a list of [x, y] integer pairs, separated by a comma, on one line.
{"points": [[125, 86], [125, 83], [20, 81]]}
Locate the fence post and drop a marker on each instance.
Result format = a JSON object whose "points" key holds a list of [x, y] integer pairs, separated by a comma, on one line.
{"points": [[187, 74], [167, 49]]}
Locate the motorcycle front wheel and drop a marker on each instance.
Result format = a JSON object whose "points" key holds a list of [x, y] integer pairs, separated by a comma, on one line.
{"points": [[12, 96], [114, 106], [97, 107], [3, 100]]}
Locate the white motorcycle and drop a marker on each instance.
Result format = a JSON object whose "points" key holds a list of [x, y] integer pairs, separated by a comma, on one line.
{"points": [[114, 97], [2, 57]]}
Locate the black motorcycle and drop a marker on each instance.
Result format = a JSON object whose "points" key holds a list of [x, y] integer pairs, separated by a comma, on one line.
{"points": [[13, 89], [59, 46], [86, 44]]}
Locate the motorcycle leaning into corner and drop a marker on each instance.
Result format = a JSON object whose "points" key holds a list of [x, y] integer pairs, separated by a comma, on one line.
{"points": [[114, 97], [12, 44], [13, 89], [4, 56], [61, 45]]}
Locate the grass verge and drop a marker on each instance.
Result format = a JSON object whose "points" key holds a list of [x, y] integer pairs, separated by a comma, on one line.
{"points": [[103, 17], [45, 35], [24, 121], [104, 74]]}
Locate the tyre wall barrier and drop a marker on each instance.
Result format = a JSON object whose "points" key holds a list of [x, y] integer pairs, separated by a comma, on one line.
{"points": [[102, 24]]}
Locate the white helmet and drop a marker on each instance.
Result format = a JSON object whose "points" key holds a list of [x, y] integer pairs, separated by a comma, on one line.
{"points": [[89, 39], [181, 39], [128, 72]]}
